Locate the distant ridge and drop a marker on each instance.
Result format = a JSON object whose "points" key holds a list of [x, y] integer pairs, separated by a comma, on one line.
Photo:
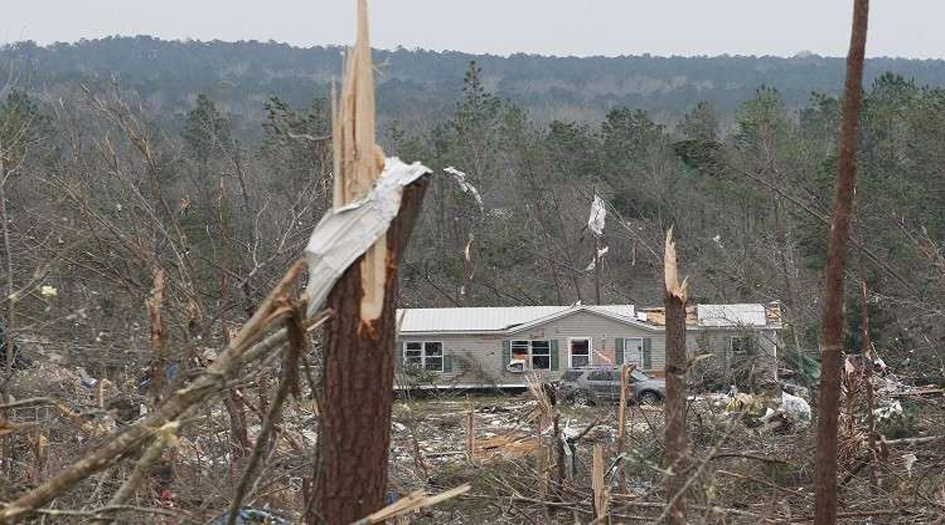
{"points": [[420, 85]]}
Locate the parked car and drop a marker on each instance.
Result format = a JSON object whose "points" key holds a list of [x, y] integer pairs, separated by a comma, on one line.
{"points": [[592, 385]]}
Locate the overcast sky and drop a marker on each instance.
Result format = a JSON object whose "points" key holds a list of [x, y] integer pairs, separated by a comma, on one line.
{"points": [[907, 28]]}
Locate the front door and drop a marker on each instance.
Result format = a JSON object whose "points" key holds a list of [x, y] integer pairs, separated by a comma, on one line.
{"points": [[579, 352], [633, 351]]}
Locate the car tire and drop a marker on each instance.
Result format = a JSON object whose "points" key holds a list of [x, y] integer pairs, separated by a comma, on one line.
{"points": [[649, 397]]}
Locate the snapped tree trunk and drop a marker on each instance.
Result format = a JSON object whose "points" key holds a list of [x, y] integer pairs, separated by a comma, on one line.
{"points": [[358, 373], [155, 304], [359, 389], [825, 504], [675, 406]]}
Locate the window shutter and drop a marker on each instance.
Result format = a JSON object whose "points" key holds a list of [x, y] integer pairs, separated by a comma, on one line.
{"points": [[554, 354], [447, 363], [647, 353], [506, 354], [399, 355], [618, 351]]}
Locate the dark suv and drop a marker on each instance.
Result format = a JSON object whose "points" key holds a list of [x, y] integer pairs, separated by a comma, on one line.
{"points": [[590, 385]]}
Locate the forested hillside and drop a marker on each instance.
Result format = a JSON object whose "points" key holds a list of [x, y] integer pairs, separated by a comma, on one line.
{"points": [[419, 85], [749, 203]]}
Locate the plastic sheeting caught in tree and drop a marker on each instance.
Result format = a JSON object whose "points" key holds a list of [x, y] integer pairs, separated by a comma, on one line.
{"points": [[598, 216]]}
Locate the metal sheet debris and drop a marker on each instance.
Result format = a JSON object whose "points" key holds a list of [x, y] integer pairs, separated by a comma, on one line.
{"points": [[346, 233], [460, 179], [731, 315]]}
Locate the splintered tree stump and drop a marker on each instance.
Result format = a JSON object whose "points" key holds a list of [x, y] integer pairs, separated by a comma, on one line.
{"points": [[675, 405], [358, 394]]}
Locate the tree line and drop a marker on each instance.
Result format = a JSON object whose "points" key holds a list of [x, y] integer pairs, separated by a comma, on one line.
{"points": [[98, 193]]}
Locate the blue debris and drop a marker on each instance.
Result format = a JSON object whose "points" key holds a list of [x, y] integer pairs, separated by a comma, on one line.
{"points": [[250, 515], [170, 372], [390, 497]]}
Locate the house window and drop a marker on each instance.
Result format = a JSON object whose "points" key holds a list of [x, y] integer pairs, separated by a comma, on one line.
{"points": [[579, 352], [531, 355], [541, 355], [425, 355], [743, 346]]}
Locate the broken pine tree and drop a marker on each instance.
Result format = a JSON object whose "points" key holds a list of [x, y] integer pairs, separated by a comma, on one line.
{"points": [[675, 407], [358, 374]]}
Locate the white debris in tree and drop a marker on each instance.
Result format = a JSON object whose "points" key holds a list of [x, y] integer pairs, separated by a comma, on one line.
{"points": [[909, 460], [460, 179], [598, 216], [346, 233], [718, 240], [600, 255], [468, 269], [48, 291]]}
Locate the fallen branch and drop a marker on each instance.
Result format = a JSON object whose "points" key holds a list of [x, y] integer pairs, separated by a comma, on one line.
{"points": [[912, 441], [297, 346], [747, 455], [106, 509], [865, 514], [166, 435], [414, 501], [763, 482]]}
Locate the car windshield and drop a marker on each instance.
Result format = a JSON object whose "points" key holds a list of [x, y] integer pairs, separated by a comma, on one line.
{"points": [[572, 375], [638, 376]]}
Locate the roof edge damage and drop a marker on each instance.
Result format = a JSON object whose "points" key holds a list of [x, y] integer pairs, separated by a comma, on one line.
{"points": [[511, 320]]}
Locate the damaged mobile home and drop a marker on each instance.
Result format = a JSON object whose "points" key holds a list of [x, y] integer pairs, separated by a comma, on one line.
{"points": [[484, 347]]}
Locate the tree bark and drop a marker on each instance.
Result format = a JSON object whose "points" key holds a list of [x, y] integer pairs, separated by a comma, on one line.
{"points": [[825, 505], [155, 305], [354, 441], [675, 406]]}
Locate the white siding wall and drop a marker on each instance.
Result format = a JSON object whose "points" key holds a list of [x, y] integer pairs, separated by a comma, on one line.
{"points": [[477, 359], [486, 350]]}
